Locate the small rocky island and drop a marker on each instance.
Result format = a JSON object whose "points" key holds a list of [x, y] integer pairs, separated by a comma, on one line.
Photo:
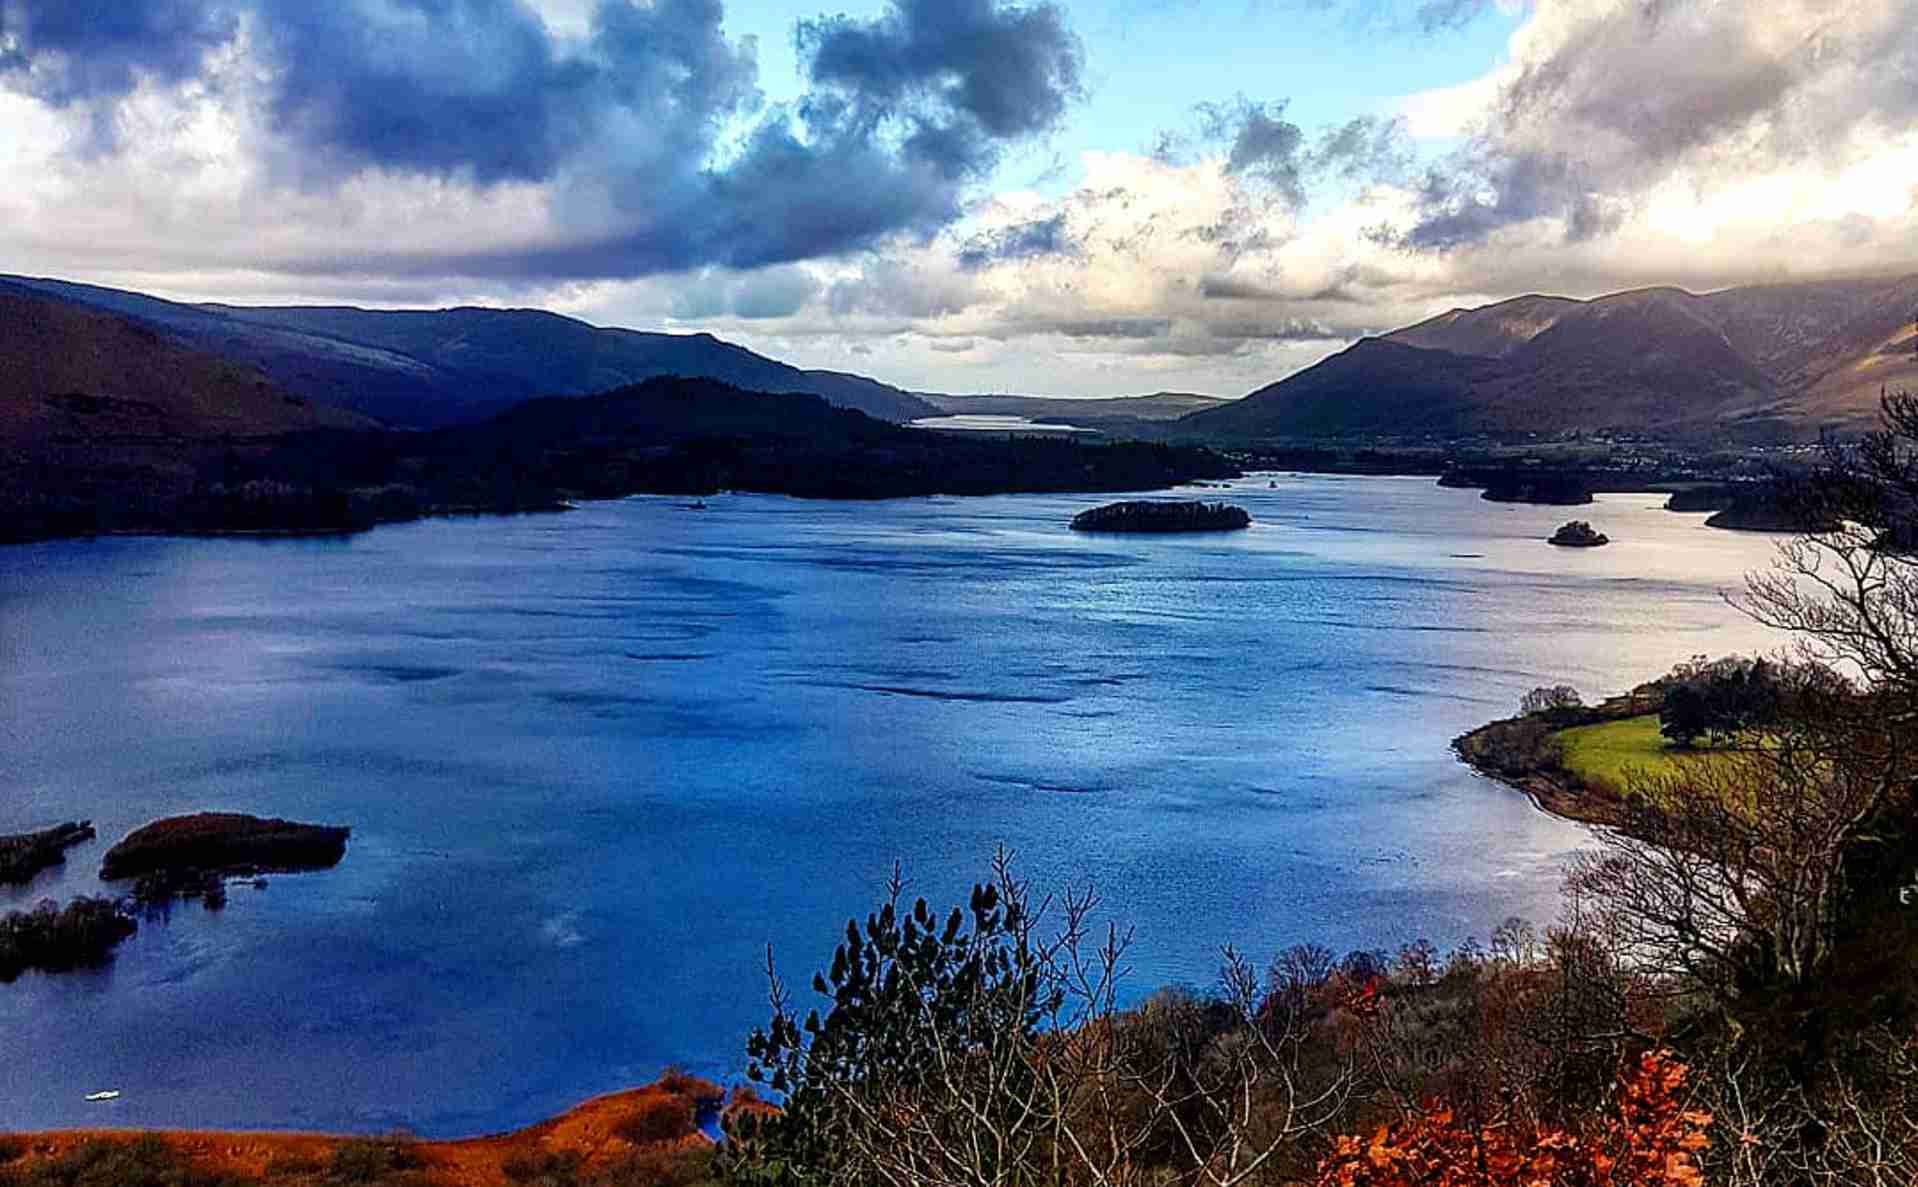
{"points": [[22, 855], [191, 856], [1579, 534], [1162, 515]]}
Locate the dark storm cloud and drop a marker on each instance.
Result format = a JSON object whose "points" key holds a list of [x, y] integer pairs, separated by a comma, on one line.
{"points": [[1260, 142], [903, 113], [88, 48], [1006, 72], [1021, 241]]}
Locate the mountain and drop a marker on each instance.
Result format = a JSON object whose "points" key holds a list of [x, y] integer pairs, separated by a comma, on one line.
{"points": [[66, 369], [428, 368], [1760, 363], [97, 409]]}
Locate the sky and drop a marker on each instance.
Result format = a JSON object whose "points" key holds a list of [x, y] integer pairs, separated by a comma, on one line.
{"points": [[1066, 198]]}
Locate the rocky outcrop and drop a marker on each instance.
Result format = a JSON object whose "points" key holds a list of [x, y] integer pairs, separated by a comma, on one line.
{"points": [[1162, 515], [1579, 534]]}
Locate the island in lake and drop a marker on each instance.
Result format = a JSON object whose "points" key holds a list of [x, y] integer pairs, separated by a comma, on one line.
{"points": [[22, 855], [225, 843], [1579, 534], [1162, 515], [191, 857]]}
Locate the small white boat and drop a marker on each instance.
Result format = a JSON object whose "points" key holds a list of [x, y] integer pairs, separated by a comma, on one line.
{"points": [[109, 1094]]}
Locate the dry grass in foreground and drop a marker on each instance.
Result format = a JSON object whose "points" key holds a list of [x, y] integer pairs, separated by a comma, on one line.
{"points": [[645, 1137]]}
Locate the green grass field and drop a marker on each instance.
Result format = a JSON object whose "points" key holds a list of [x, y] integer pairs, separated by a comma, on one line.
{"points": [[1604, 754]]}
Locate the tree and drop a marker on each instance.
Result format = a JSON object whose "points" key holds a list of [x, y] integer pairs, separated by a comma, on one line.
{"points": [[1743, 868], [1731, 869], [1850, 593], [1557, 699], [1719, 700], [987, 1050]]}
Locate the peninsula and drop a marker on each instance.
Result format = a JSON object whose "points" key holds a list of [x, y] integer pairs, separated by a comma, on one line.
{"points": [[22, 855]]}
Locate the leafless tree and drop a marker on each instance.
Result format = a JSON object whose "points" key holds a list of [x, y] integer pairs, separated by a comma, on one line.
{"points": [[1002, 1055]]}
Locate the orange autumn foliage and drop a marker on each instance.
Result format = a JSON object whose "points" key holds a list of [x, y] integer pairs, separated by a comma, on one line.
{"points": [[1652, 1140]]}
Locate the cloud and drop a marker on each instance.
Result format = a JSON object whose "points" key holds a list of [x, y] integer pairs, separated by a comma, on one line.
{"points": [[648, 134], [970, 70], [1020, 241], [1421, 17], [1604, 100], [66, 51]]}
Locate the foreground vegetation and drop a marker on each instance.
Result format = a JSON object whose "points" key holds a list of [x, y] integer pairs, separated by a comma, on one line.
{"points": [[644, 1138]]}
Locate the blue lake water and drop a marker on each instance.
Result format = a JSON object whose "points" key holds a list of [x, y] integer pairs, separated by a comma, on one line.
{"points": [[596, 762]]}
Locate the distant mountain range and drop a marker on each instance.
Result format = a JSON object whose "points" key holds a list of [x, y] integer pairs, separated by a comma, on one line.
{"points": [[429, 368], [1158, 406], [1756, 364], [113, 417]]}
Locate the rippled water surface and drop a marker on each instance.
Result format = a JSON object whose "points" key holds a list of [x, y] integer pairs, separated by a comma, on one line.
{"points": [[595, 762]]}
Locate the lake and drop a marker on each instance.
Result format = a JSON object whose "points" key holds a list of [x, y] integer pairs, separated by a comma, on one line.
{"points": [[595, 762], [979, 422]]}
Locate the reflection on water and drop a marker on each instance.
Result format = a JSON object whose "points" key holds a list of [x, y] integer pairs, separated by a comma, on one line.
{"points": [[979, 422], [594, 763]]}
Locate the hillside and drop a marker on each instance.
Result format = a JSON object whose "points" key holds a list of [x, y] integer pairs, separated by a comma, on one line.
{"points": [[699, 436], [1756, 364], [98, 410], [430, 368], [668, 435], [66, 370]]}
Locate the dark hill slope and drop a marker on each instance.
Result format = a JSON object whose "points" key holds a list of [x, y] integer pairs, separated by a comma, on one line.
{"points": [[67, 371], [103, 412], [1493, 331], [429, 368], [697, 436], [1374, 386], [665, 436], [1763, 363], [517, 353]]}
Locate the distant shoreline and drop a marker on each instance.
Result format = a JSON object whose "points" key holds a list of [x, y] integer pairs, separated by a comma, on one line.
{"points": [[1510, 751], [663, 1119]]}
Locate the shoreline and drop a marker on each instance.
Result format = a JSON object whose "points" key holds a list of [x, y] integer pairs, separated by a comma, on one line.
{"points": [[1508, 751], [593, 1131]]}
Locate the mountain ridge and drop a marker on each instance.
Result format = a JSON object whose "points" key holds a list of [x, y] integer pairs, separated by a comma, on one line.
{"points": [[1745, 365], [427, 368]]}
